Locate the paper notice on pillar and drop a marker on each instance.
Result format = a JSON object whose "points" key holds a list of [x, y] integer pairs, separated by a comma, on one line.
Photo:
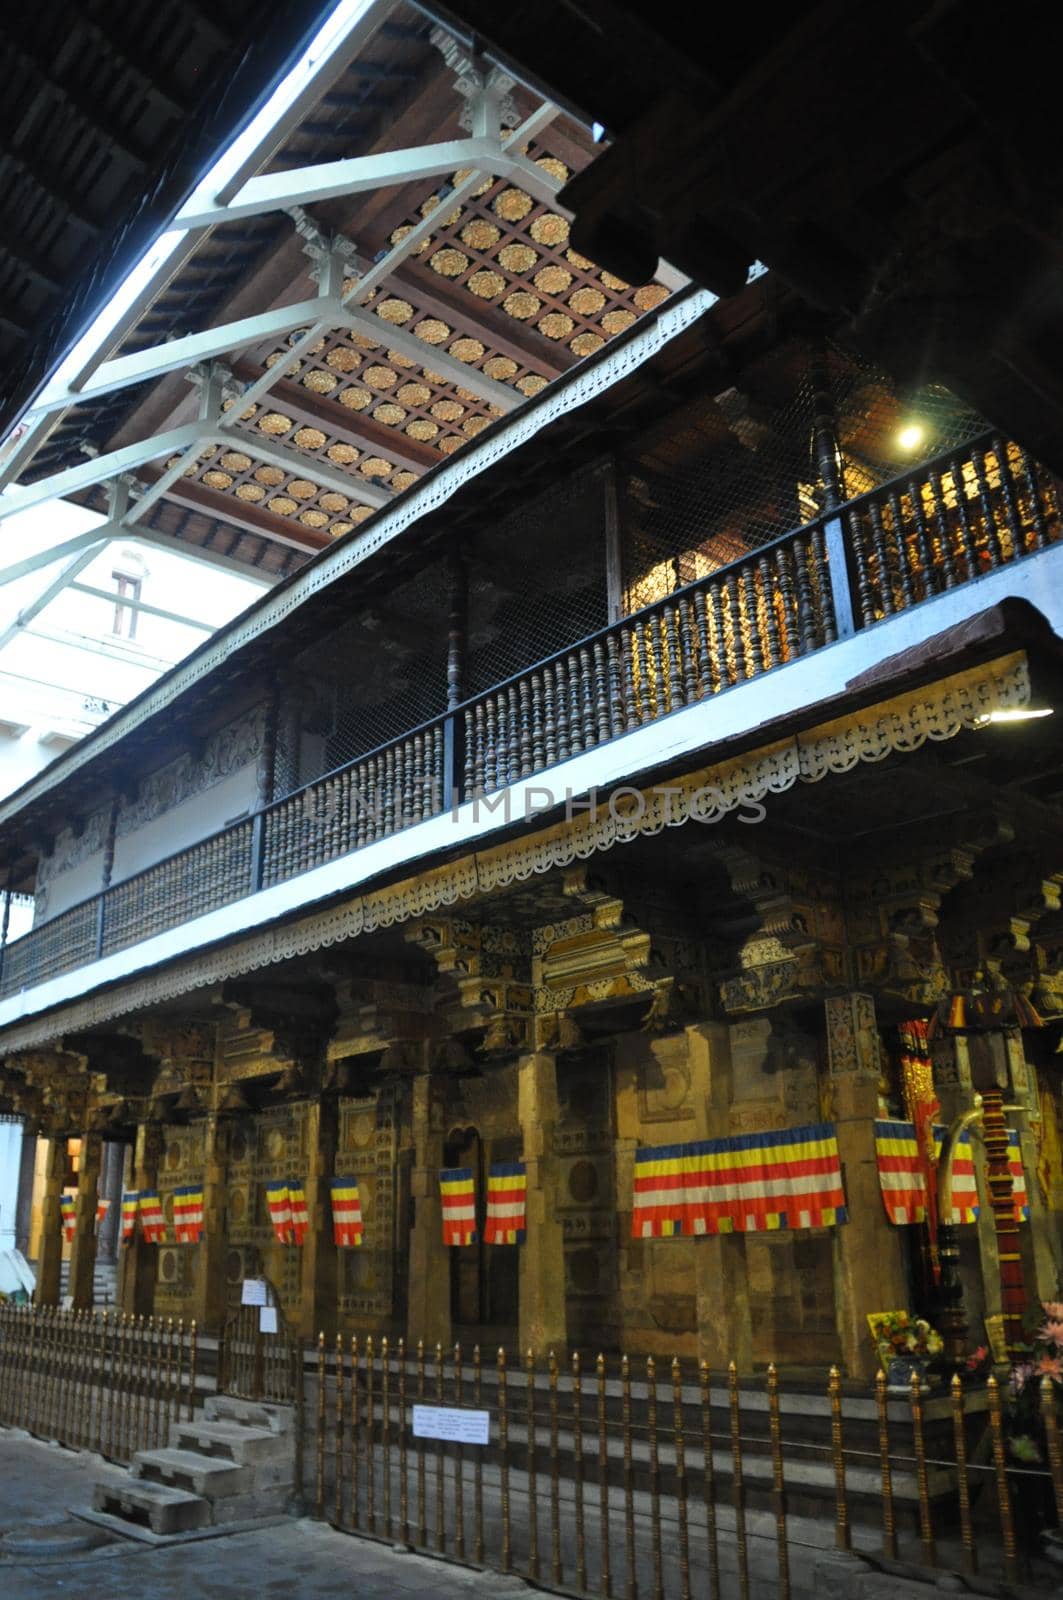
{"points": [[267, 1319], [450, 1423], [253, 1292]]}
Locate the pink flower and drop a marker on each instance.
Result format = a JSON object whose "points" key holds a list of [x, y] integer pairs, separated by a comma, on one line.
{"points": [[1051, 1367], [1051, 1333], [1053, 1310]]}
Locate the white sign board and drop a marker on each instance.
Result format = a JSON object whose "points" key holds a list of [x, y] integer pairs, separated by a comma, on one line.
{"points": [[448, 1422], [267, 1319], [254, 1292]]}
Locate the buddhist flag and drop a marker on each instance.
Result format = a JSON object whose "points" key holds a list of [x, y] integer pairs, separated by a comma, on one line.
{"points": [[458, 1195], [67, 1205], [280, 1210], [188, 1213], [1018, 1178], [300, 1216], [130, 1203], [346, 1212], [102, 1208], [753, 1183], [151, 1218], [506, 1208]]}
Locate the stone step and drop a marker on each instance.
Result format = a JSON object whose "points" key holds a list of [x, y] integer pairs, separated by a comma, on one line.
{"points": [[152, 1505], [230, 1441], [187, 1469], [249, 1413]]}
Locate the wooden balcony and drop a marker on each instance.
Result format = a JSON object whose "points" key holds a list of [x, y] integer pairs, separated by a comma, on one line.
{"points": [[938, 528]]}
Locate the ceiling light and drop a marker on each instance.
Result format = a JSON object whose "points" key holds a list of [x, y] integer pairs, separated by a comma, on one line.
{"points": [[1013, 714], [911, 436]]}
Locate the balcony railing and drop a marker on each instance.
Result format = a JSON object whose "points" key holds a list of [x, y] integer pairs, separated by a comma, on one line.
{"points": [[949, 521]]}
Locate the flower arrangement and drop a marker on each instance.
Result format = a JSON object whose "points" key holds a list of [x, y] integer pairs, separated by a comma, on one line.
{"points": [[902, 1338], [1043, 1358]]}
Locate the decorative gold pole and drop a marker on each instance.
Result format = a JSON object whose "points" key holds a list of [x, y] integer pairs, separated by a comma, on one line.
{"points": [[680, 1479], [319, 1498], [655, 1478], [503, 1461], [926, 1528], [441, 1541], [842, 1536], [478, 1470], [1055, 1451], [959, 1434], [889, 1525], [341, 1402], [459, 1465], [356, 1508], [1007, 1524], [192, 1353], [533, 1491], [577, 1470], [422, 1502], [778, 1483], [737, 1485], [605, 1574], [370, 1429], [385, 1427], [629, 1477], [404, 1483], [708, 1470], [555, 1478]]}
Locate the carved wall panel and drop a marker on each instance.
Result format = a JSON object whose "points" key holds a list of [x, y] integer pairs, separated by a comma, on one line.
{"points": [[181, 1163], [371, 1277], [264, 1148]]}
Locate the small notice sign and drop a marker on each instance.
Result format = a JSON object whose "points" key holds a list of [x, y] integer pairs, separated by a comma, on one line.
{"points": [[267, 1319], [452, 1424], [253, 1292]]}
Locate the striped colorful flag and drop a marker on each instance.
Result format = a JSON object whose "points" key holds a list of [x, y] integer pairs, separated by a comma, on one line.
{"points": [[152, 1220], [458, 1194], [346, 1212], [130, 1204], [280, 1209], [102, 1208], [188, 1213], [903, 1186], [507, 1187], [1018, 1178], [67, 1207], [752, 1183], [300, 1216]]}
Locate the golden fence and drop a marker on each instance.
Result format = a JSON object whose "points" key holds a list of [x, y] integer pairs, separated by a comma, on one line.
{"points": [[655, 1479], [96, 1380], [259, 1366]]}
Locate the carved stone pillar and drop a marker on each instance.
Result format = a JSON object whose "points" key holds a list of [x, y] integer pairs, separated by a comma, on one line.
{"points": [[543, 1318], [721, 1284], [83, 1249], [50, 1257], [110, 1190], [140, 1261], [320, 1267], [428, 1298], [208, 1289], [869, 1270]]}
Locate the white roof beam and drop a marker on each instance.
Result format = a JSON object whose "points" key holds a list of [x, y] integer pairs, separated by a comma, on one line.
{"points": [[76, 564], [46, 558], [142, 605], [155, 362], [304, 186], [98, 469]]}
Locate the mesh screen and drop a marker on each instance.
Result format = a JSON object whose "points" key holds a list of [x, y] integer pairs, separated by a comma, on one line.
{"points": [[381, 674], [730, 472], [537, 582]]}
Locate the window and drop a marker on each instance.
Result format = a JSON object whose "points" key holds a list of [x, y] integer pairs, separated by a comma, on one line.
{"points": [[128, 588]]}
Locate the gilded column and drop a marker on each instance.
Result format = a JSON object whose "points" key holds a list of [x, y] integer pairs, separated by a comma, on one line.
{"points": [[320, 1265], [83, 1250], [50, 1258], [869, 1270], [721, 1280], [140, 1260], [209, 1288], [428, 1297], [1043, 1239], [543, 1318]]}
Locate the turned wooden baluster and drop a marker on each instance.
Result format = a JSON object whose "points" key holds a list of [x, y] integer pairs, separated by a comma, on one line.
{"points": [[826, 631], [617, 714], [1012, 512], [718, 644], [527, 760], [490, 744], [1039, 536], [994, 547], [701, 645], [670, 643], [601, 693], [587, 699], [538, 742], [752, 641], [770, 629], [878, 543], [688, 649], [903, 552], [513, 752], [965, 536], [627, 678], [561, 710], [471, 777], [640, 678], [941, 517], [550, 746], [577, 693], [863, 571], [662, 696]]}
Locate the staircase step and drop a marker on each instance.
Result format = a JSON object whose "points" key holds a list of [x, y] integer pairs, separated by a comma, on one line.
{"points": [[187, 1469], [152, 1505], [249, 1413], [229, 1441]]}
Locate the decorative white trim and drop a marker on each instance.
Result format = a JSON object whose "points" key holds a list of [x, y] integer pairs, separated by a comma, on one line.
{"points": [[530, 418], [899, 725]]}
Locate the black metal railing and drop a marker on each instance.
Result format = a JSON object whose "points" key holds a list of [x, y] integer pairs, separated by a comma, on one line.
{"points": [[947, 522]]}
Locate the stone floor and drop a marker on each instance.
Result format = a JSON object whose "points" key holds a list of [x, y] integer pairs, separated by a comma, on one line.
{"points": [[40, 1484]]}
